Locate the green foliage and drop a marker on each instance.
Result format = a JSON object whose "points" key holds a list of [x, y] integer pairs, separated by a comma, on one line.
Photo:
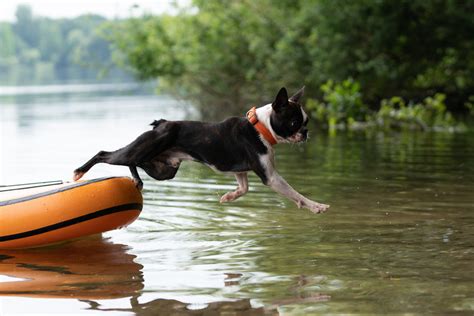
{"points": [[218, 56], [226, 55], [146, 42], [342, 104], [342, 107], [409, 48], [431, 114], [26, 26], [7, 47], [469, 105], [37, 49]]}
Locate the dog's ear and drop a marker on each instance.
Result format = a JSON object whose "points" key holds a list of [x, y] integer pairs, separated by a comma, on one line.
{"points": [[297, 96], [281, 100]]}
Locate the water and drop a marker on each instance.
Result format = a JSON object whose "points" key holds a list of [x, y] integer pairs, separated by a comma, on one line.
{"points": [[398, 237]]}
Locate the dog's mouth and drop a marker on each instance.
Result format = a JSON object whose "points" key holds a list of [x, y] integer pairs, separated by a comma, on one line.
{"points": [[298, 138]]}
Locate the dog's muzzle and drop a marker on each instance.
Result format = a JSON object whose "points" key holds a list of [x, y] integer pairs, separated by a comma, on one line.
{"points": [[300, 136]]}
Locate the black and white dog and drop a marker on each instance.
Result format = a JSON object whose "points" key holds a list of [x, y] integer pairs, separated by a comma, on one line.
{"points": [[235, 145]]}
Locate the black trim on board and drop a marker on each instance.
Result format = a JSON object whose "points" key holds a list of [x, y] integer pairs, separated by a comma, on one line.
{"points": [[62, 189], [73, 221]]}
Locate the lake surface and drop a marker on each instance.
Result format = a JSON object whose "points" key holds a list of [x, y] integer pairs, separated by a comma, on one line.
{"points": [[398, 238]]}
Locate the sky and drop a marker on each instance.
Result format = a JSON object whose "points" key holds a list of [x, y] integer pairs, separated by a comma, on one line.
{"points": [[73, 8]]}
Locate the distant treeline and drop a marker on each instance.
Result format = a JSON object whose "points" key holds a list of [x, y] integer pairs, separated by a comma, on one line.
{"points": [[40, 50], [227, 55], [380, 63]]}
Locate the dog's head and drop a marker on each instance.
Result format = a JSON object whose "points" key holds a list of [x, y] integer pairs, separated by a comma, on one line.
{"points": [[288, 119]]}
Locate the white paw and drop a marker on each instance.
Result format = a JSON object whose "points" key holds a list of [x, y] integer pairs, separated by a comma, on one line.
{"points": [[138, 184], [317, 207], [77, 175], [228, 197]]}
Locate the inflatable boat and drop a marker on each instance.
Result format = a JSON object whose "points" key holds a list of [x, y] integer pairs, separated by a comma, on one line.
{"points": [[38, 215]]}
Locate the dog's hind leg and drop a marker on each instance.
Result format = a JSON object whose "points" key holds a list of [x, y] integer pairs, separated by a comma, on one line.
{"points": [[159, 170], [136, 178], [146, 146], [118, 157], [101, 156], [241, 189]]}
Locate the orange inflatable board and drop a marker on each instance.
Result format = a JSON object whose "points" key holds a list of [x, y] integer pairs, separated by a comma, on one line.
{"points": [[31, 217]]}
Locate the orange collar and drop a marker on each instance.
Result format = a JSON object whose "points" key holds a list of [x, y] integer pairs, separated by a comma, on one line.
{"points": [[252, 117]]}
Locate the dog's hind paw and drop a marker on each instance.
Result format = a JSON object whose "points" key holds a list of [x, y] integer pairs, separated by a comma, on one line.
{"points": [[77, 175], [138, 184]]}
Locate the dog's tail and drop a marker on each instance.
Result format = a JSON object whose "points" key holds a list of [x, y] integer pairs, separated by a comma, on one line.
{"points": [[156, 123]]}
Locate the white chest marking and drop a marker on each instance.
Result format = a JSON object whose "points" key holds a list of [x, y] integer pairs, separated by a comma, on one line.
{"points": [[263, 115]]}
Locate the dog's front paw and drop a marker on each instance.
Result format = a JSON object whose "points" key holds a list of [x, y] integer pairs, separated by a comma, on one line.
{"points": [[317, 208], [228, 197]]}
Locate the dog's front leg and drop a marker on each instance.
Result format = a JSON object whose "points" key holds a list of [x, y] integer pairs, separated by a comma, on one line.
{"points": [[265, 169], [279, 185], [241, 189]]}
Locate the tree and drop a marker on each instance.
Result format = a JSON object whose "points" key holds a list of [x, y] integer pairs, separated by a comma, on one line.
{"points": [[26, 26], [217, 57], [409, 48], [227, 54], [39, 47], [7, 40]]}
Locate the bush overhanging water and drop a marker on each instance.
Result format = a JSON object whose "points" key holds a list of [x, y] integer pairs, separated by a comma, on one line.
{"points": [[342, 107]]}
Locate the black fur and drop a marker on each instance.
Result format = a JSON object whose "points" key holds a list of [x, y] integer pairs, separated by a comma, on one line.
{"points": [[287, 118], [232, 145]]}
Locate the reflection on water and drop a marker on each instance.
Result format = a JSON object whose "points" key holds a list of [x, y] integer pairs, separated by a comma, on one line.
{"points": [[89, 268], [177, 308], [397, 239], [22, 91]]}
